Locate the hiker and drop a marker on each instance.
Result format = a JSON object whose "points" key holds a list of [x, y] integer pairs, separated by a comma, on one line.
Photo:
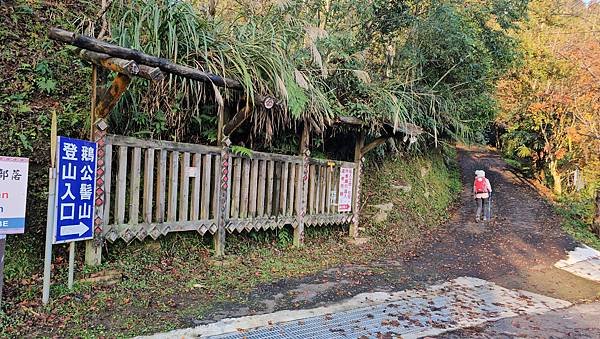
{"points": [[482, 190]]}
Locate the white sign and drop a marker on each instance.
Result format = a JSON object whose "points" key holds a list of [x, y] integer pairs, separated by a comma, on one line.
{"points": [[345, 195], [13, 194]]}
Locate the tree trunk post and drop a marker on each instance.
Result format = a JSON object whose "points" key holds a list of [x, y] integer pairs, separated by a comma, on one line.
{"points": [[93, 252], [223, 188], [99, 128], [556, 177], [303, 179], [360, 141]]}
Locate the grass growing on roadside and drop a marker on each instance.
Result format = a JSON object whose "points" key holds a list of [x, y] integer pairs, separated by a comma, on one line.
{"points": [[578, 215], [421, 190]]}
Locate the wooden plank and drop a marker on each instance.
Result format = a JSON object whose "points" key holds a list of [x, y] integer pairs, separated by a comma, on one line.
{"points": [[236, 187], [252, 199], [324, 162], [195, 194], [329, 171], [270, 187], [148, 184], [291, 189], [323, 189], [262, 177], [312, 189], [107, 181], [161, 183], [134, 186], [184, 188], [318, 189], [335, 188], [121, 140], [173, 184], [176, 226], [277, 189], [206, 185], [244, 195], [121, 186], [215, 185], [285, 176], [299, 189]]}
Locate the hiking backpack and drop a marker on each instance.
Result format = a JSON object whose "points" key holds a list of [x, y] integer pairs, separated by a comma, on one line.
{"points": [[480, 186]]}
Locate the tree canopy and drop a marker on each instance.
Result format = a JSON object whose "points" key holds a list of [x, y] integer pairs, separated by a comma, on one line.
{"points": [[551, 101], [433, 63]]}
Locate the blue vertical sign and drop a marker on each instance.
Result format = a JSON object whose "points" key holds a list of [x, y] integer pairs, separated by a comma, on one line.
{"points": [[75, 187]]}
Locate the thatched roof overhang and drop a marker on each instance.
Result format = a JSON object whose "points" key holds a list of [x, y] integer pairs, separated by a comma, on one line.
{"points": [[130, 62]]}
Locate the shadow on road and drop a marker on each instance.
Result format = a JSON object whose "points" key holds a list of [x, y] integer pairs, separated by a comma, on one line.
{"points": [[516, 250]]}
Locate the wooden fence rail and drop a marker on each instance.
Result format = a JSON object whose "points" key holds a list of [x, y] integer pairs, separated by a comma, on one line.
{"points": [[155, 187]]}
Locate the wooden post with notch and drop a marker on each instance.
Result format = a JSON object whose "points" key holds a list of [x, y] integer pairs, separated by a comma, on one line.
{"points": [[303, 185], [99, 127], [360, 141]]}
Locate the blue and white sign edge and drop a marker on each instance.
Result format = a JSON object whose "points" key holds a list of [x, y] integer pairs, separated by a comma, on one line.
{"points": [[56, 202]]}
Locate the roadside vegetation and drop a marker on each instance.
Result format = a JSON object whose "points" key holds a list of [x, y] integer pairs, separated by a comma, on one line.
{"points": [[148, 287], [550, 109], [449, 68]]}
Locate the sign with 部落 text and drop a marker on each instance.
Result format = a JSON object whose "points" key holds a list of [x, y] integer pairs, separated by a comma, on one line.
{"points": [[13, 194], [345, 189], [75, 190]]}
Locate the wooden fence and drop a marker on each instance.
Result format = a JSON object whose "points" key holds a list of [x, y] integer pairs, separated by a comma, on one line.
{"points": [[155, 187]]}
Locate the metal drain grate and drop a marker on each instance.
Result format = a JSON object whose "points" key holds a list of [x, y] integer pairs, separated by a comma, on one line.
{"points": [[418, 313], [460, 303], [350, 324]]}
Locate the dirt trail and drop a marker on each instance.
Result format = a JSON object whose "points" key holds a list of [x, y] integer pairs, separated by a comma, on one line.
{"points": [[516, 250]]}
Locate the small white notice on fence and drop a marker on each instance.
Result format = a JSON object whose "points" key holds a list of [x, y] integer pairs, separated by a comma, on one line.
{"points": [[345, 195], [13, 194]]}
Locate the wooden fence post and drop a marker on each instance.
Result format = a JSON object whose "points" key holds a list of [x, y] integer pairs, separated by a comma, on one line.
{"points": [[100, 110], [360, 141], [93, 248], [303, 185], [223, 186], [223, 189]]}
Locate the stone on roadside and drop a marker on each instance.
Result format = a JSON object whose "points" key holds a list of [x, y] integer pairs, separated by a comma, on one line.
{"points": [[405, 187], [382, 212], [358, 241], [108, 277]]}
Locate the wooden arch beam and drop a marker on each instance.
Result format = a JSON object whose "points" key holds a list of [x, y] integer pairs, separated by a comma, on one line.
{"points": [[127, 67], [166, 65], [373, 144]]}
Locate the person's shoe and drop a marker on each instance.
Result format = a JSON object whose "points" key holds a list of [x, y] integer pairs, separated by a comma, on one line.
{"points": [[477, 219]]}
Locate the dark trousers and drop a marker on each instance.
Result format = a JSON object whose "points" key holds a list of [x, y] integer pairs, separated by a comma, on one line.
{"points": [[482, 204]]}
